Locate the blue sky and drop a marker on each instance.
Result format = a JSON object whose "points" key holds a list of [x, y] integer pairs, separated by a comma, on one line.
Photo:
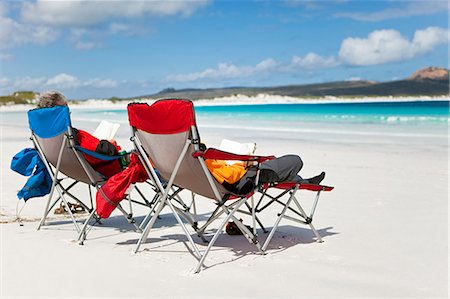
{"points": [[91, 49]]}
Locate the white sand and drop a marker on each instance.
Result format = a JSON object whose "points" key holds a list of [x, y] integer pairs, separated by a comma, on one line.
{"points": [[385, 228]]}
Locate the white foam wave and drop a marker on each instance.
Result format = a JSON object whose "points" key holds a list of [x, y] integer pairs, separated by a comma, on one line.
{"points": [[262, 99], [404, 119], [322, 131]]}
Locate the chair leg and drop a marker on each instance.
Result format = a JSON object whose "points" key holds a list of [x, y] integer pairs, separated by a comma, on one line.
{"points": [[46, 210], [83, 233], [309, 219], [129, 218], [186, 232], [277, 222], [90, 197], [253, 215], [149, 226], [256, 218], [316, 233], [130, 205], [147, 217], [216, 235], [251, 238], [70, 213]]}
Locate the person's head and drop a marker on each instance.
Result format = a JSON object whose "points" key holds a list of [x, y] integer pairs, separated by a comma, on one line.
{"points": [[51, 98]]}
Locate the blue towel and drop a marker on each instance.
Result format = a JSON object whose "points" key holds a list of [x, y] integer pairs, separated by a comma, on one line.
{"points": [[40, 182]]}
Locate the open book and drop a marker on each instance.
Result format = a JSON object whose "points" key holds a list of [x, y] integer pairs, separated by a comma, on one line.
{"points": [[237, 148], [106, 130]]}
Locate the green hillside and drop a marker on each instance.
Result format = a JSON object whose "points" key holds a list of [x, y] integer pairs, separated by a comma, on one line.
{"points": [[19, 97], [338, 89]]}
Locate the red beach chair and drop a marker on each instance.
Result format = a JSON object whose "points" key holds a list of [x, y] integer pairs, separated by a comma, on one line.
{"points": [[166, 137]]}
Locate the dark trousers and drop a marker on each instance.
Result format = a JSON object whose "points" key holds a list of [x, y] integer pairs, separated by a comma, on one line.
{"points": [[282, 169]]}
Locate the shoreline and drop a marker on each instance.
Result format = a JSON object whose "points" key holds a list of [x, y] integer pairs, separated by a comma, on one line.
{"points": [[237, 100]]}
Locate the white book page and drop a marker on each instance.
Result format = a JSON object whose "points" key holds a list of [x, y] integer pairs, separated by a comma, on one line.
{"points": [[237, 148], [106, 130]]}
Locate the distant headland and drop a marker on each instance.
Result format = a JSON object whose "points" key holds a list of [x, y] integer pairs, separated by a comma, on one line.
{"points": [[429, 81]]}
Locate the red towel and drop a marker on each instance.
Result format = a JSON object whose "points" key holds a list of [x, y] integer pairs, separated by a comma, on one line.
{"points": [[119, 186], [89, 142]]}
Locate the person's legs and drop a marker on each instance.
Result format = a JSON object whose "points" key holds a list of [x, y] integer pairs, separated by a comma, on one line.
{"points": [[281, 169]]}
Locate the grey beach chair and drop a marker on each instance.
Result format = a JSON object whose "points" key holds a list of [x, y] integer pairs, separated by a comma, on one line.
{"points": [[53, 137]]}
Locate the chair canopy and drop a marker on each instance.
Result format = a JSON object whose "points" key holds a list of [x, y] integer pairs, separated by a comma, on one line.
{"points": [[163, 129], [49, 122], [163, 117], [50, 125]]}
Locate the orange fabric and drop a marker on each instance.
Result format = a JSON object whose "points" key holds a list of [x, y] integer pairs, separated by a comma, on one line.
{"points": [[224, 172]]}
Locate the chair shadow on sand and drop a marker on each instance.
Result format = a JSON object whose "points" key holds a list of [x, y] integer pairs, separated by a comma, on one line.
{"points": [[285, 237], [118, 224]]}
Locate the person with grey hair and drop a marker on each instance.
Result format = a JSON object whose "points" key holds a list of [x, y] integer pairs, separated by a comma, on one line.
{"points": [[84, 139], [51, 98]]}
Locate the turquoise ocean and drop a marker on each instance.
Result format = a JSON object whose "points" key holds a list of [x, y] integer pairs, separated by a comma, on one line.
{"points": [[403, 119]]}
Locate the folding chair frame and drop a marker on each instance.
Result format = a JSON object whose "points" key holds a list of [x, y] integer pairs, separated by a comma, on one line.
{"points": [[68, 141], [302, 216], [56, 183], [165, 200], [164, 196]]}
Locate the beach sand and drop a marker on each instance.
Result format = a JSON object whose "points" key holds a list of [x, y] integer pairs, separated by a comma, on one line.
{"points": [[385, 232]]}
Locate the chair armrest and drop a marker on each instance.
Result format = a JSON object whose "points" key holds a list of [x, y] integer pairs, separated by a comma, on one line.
{"points": [[100, 156], [213, 153]]}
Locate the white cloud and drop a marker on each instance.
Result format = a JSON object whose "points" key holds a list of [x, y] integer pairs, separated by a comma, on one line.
{"points": [[63, 80], [266, 65], [13, 34], [311, 61], [6, 56], [129, 29], [417, 8], [41, 21], [26, 83], [60, 81], [225, 71], [427, 39], [115, 28], [81, 45], [78, 39], [383, 46], [3, 9], [86, 13], [351, 79], [101, 83], [4, 82]]}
